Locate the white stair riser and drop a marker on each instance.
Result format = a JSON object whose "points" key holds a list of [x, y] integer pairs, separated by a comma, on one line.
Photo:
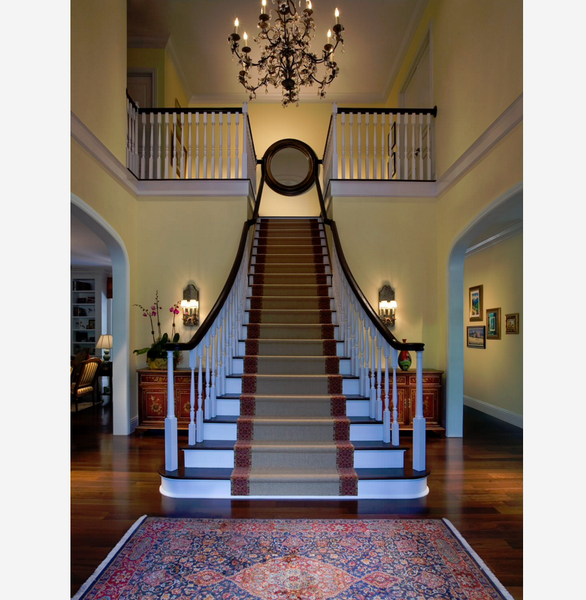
{"points": [[358, 432], [230, 407], [238, 366], [332, 304], [350, 387], [363, 459], [242, 348], [334, 319], [391, 489]]}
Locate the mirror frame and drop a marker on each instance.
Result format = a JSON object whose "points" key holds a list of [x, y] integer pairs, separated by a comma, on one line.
{"points": [[299, 188]]}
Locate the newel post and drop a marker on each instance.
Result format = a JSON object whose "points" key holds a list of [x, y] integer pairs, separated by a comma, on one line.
{"points": [[419, 420], [245, 136], [334, 141], [171, 451]]}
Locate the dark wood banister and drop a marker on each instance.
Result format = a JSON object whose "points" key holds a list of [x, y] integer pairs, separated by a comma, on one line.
{"points": [[364, 303], [200, 334]]}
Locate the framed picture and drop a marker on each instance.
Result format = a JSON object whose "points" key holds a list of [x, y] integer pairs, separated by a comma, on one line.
{"points": [[475, 303], [493, 323], [512, 323], [91, 324], [476, 336]]}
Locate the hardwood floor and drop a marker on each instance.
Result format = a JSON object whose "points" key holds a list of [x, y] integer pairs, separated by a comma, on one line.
{"points": [[476, 482]]}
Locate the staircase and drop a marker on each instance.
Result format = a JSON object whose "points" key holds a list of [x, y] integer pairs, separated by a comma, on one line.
{"points": [[291, 422]]}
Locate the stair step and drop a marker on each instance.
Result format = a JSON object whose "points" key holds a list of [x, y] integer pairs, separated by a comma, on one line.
{"points": [[286, 268], [290, 316], [290, 303], [293, 365], [291, 240], [284, 279], [298, 258], [284, 331]]}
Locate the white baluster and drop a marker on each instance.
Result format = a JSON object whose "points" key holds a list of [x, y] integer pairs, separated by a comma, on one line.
{"points": [[182, 162], [199, 415], [128, 128], [237, 149], [197, 145], [366, 388], [142, 174], [213, 145], [152, 146], [382, 147], [244, 141], [208, 380], [367, 144], [406, 145], [420, 173], [229, 138], [174, 144], [428, 119], [343, 145], [189, 158], [379, 392], [214, 368], [359, 145], [387, 412], [399, 151], [171, 449], [395, 426], [351, 127], [335, 142], [205, 146], [374, 158], [191, 427], [166, 157], [419, 420], [221, 116], [413, 147], [372, 393], [160, 142]]}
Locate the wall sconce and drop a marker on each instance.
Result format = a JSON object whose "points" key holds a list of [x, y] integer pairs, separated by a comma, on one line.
{"points": [[387, 305], [190, 306]]}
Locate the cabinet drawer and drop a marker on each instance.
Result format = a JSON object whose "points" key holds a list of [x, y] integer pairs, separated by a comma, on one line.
{"points": [[428, 379]]}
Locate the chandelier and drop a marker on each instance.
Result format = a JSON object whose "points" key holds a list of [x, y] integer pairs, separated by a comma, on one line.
{"points": [[286, 59]]}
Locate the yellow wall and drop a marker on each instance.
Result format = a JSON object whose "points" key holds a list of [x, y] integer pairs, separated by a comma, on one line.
{"points": [[151, 58], [495, 375], [477, 68], [181, 241], [394, 241], [173, 88], [98, 70]]}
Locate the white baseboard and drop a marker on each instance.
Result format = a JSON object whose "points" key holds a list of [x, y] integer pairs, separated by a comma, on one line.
{"points": [[495, 411]]}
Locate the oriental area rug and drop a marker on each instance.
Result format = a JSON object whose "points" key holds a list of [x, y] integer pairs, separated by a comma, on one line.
{"points": [[205, 559]]}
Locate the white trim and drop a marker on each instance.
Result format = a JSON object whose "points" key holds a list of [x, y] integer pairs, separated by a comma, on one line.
{"points": [[479, 561], [501, 127], [494, 411], [83, 589], [493, 240], [347, 188], [85, 138], [174, 56], [120, 310]]}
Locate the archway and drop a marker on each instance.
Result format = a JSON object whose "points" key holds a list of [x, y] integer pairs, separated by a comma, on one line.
{"points": [[120, 311], [508, 202]]}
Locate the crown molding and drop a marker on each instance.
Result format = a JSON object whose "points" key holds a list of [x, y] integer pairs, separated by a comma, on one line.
{"points": [[174, 56], [147, 41], [495, 239]]}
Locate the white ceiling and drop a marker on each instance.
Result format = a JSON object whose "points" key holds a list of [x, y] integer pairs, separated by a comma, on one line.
{"points": [[87, 249], [377, 35]]}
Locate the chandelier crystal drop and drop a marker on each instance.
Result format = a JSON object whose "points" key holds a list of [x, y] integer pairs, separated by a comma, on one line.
{"points": [[286, 59]]}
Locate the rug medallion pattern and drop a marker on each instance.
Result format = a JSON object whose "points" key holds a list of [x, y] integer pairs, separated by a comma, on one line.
{"points": [[207, 559]]}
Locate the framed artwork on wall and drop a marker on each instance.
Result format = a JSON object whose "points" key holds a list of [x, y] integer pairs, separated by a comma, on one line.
{"points": [[476, 336], [493, 323], [475, 303], [512, 323]]}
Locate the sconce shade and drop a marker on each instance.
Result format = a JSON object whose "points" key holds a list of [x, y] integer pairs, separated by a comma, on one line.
{"points": [[104, 343], [387, 305], [190, 306]]}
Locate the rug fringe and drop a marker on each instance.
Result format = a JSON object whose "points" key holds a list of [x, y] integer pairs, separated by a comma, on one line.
{"points": [[83, 589], [500, 587]]}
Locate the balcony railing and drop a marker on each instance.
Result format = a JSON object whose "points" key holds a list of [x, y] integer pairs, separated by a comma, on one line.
{"points": [[380, 144], [190, 143]]}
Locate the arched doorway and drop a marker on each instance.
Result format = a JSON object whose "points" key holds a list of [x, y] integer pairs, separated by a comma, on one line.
{"points": [[120, 311], [510, 202]]}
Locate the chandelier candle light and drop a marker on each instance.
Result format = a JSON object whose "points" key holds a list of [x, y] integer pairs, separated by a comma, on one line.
{"points": [[286, 59]]}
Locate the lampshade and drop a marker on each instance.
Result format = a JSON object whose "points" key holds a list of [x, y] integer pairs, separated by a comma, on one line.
{"points": [[104, 343]]}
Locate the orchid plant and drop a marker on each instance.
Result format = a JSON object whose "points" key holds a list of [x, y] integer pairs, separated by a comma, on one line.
{"points": [[157, 348]]}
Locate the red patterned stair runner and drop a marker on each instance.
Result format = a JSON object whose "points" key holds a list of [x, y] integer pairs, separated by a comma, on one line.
{"points": [[265, 245]]}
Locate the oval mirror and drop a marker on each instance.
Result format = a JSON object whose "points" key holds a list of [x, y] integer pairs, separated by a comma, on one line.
{"points": [[290, 167]]}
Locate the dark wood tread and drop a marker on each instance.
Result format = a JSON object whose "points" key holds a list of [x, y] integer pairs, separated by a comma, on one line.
{"points": [[225, 474]]}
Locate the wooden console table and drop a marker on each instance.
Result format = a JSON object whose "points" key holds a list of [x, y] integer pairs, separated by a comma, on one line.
{"points": [[152, 398]]}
